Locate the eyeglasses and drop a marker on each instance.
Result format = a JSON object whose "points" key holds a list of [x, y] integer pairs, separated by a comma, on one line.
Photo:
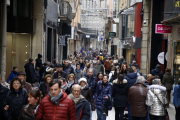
{"points": [[76, 91], [16, 83]]}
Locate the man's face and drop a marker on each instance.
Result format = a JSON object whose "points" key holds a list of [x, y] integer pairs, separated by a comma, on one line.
{"points": [[16, 70], [21, 77], [78, 67], [133, 67], [90, 72], [66, 63], [59, 69], [76, 91], [55, 90]]}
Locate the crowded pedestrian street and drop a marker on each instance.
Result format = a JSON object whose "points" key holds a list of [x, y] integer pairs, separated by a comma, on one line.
{"points": [[89, 59]]}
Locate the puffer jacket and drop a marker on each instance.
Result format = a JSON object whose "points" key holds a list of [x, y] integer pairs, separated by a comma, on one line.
{"points": [[3, 92], [15, 101], [92, 82], [102, 91], [137, 97], [87, 93], [119, 93], [11, 76], [156, 100], [157, 71], [168, 81], [131, 78], [68, 69], [64, 111], [176, 98]]}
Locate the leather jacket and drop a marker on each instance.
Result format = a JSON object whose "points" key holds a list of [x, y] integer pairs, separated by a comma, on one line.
{"points": [[156, 100]]}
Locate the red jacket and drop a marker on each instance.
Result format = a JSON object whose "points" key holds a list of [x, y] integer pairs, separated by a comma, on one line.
{"points": [[64, 111]]}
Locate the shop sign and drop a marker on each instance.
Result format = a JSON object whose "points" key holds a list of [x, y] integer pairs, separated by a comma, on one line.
{"points": [[87, 36], [62, 40], [161, 58], [162, 29], [112, 34]]}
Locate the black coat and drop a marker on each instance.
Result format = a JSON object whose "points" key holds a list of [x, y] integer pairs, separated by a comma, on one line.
{"points": [[120, 92], [68, 69], [83, 109], [69, 90], [15, 102], [30, 73], [158, 72], [38, 62], [63, 74], [92, 82], [42, 88], [3, 92]]}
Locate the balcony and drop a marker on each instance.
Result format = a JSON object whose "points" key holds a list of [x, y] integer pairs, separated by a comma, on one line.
{"points": [[65, 13]]}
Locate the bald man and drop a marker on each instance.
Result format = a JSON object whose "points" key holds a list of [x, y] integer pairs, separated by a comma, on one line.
{"points": [[82, 105]]}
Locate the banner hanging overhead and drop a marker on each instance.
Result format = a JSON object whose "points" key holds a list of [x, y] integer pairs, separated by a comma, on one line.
{"points": [[162, 29]]}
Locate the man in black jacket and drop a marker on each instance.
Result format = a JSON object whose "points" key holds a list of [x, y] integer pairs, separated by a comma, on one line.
{"points": [[157, 71], [30, 72], [3, 92], [67, 68], [82, 105], [39, 61], [60, 73]]}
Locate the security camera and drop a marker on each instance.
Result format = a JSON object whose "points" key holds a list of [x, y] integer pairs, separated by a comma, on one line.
{"points": [[145, 21]]}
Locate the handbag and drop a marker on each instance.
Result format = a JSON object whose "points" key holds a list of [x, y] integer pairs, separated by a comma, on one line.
{"points": [[166, 117]]}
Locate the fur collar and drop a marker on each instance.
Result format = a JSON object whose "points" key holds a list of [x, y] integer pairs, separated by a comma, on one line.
{"points": [[157, 87], [116, 81]]}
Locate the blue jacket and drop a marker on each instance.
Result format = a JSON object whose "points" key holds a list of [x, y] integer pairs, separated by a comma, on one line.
{"points": [[92, 81], [131, 78], [157, 71], [101, 93], [176, 98], [11, 76]]}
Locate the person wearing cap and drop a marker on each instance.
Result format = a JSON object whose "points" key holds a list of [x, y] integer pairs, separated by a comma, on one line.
{"points": [[157, 71], [136, 70], [60, 73], [22, 75], [176, 100], [39, 61], [30, 72], [156, 100], [87, 93]]}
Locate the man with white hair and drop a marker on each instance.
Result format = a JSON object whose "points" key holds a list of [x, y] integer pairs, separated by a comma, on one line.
{"points": [[67, 68], [137, 97]]}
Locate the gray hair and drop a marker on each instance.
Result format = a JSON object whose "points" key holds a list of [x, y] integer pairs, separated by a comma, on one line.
{"points": [[156, 81], [140, 79], [76, 85], [90, 69]]}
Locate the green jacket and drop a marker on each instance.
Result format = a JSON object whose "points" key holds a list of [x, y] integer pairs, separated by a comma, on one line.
{"points": [[168, 81], [100, 68]]}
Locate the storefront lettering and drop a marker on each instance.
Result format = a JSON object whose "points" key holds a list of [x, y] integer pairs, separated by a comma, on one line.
{"points": [[162, 29]]}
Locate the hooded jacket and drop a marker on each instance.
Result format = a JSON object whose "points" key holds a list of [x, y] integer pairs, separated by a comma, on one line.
{"points": [[131, 78], [119, 93], [30, 73], [168, 81], [38, 62], [64, 111], [157, 71], [156, 99], [11, 76], [92, 82]]}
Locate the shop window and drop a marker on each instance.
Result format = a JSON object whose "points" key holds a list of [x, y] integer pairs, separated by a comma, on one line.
{"points": [[176, 65]]}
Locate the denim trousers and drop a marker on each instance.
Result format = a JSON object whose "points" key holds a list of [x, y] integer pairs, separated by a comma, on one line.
{"points": [[100, 115], [129, 111], [90, 111]]}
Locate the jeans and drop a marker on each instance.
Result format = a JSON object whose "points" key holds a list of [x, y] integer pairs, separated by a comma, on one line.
{"points": [[129, 111], [100, 115], [152, 117], [119, 111], [90, 111], [177, 113], [138, 118]]}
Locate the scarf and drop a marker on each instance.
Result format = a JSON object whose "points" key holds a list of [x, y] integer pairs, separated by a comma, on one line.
{"points": [[64, 86], [76, 100], [78, 70], [70, 83], [56, 99], [83, 87]]}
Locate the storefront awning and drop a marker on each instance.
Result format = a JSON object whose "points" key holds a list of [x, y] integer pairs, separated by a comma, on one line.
{"points": [[172, 20]]}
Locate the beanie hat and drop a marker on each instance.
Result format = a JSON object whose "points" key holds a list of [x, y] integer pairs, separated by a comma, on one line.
{"points": [[21, 73], [82, 79], [39, 56]]}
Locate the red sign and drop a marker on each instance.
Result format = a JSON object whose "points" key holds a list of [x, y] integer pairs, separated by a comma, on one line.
{"points": [[162, 29]]}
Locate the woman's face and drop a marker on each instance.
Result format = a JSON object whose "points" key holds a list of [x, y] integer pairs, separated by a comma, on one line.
{"points": [[16, 85], [71, 78], [100, 76], [83, 83], [117, 71], [32, 100], [124, 67], [48, 79], [105, 79]]}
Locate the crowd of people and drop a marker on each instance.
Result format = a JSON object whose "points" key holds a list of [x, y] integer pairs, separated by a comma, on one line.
{"points": [[86, 82]]}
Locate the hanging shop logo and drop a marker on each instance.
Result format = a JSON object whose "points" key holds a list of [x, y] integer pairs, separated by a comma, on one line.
{"points": [[162, 29], [177, 4], [62, 40]]}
